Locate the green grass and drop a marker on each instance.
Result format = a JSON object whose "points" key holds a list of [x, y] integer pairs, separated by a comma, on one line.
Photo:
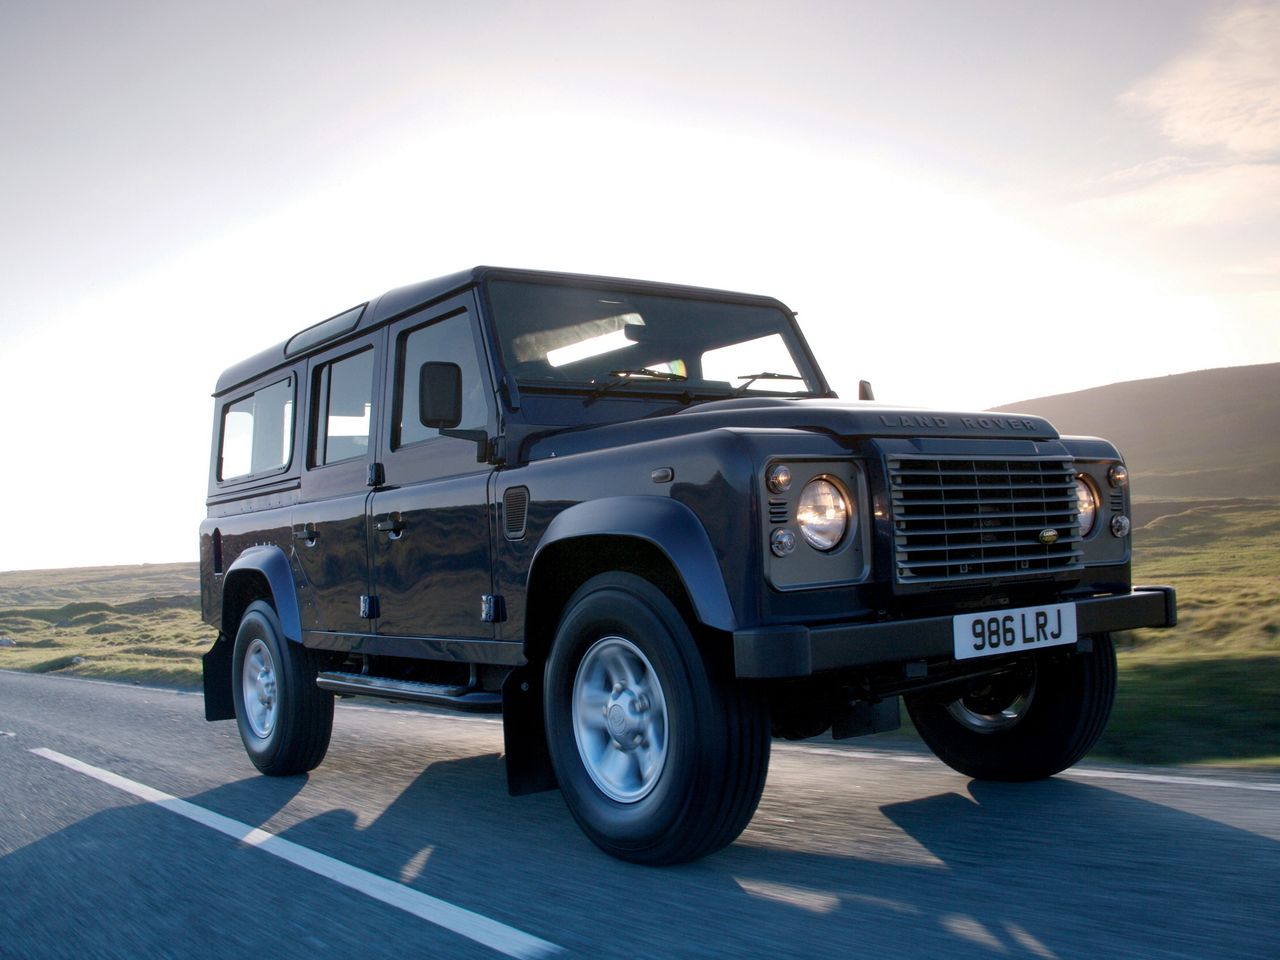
{"points": [[1207, 691], [1190, 709], [31, 588], [154, 640]]}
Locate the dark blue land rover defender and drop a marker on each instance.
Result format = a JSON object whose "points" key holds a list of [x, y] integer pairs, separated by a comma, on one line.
{"points": [[633, 518]]}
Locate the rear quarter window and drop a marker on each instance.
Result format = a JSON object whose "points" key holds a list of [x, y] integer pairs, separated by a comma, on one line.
{"points": [[257, 432]]}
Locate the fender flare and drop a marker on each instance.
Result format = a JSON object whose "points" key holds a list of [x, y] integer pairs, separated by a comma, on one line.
{"points": [[270, 562], [668, 525]]}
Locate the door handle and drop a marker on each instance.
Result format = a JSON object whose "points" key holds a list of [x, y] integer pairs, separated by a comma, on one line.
{"points": [[305, 531], [392, 524]]}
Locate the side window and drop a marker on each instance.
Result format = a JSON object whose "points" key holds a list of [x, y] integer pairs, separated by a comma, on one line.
{"points": [[450, 340], [341, 409], [257, 432]]}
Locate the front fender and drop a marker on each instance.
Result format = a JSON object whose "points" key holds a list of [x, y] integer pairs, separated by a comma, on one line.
{"points": [[669, 526], [263, 565]]}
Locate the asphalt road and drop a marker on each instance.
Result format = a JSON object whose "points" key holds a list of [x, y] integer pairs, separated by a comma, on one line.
{"points": [[140, 830]]}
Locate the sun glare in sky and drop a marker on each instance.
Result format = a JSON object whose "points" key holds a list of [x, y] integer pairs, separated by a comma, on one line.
{"points": [[967, 207]]}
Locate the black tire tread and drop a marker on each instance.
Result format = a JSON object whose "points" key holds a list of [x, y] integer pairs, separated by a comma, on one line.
{"points": [[737, 741], [305, 724], [1069, 714]]}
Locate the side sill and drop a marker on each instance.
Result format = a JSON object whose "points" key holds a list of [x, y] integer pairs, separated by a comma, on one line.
{"points": [[500, 652]]}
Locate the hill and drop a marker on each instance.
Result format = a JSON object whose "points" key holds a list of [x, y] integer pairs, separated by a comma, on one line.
{"points": [[112, 585], [1211, 433]]}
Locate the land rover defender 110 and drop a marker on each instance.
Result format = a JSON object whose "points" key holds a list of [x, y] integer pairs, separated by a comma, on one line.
{"points": [[635, 519]]}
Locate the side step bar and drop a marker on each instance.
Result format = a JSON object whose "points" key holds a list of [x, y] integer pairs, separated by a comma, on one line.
{"points": [[440, 694]]}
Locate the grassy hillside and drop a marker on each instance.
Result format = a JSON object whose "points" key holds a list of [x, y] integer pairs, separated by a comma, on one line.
{"points": [[21, 588], [156, 640], [1210, 433], [1208, 690], [130, 623]]}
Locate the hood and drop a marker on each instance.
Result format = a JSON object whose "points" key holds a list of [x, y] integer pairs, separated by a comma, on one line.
{"points": [[842, 419]]}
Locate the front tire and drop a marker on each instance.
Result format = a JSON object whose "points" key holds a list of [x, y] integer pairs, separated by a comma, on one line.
{"points": [[1038, 719], [660, 753], [285, 720]]}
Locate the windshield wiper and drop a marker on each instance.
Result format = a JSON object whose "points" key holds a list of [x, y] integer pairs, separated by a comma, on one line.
{"points": [[641, 373], [751, 378]]}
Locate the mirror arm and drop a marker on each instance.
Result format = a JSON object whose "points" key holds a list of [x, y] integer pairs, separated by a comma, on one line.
{"points": [[486, 449]]}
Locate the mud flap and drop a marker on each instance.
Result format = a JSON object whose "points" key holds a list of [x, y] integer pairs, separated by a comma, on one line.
{"points": [[216, 664], [524, 735]]}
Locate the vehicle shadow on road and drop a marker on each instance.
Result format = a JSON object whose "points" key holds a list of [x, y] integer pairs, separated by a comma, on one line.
{"points": [[1049, 869], [1055, 869]]}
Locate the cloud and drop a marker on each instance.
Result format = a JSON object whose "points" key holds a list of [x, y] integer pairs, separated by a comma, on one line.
{"points": [[1225, 91], [1206, 200], [1192, 195]]}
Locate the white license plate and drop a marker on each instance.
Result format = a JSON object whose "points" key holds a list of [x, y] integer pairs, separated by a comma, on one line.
{"points": [[1011, 631]]}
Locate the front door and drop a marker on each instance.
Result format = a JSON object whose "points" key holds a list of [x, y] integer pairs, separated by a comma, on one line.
{"points": [[430, 524]]}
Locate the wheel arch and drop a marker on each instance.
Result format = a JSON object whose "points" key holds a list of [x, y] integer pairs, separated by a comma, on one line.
{"points": [[259, 573], [640, 534], [655, 538]]}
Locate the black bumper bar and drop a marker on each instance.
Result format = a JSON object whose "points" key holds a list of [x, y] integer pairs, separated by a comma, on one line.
{"points": [[797, 651]]}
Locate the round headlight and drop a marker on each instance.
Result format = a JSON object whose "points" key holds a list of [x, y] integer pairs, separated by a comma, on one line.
{"points": [[823, 514], [1086, 504]]}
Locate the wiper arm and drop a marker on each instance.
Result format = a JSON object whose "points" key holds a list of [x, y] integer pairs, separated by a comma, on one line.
{"points": [[641, 373], [751, 378]]}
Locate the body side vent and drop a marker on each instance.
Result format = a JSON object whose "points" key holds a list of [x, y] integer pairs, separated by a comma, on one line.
{"points": [[515, 510]]}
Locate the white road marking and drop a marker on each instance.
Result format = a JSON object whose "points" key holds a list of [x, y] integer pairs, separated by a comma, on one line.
{"points": [[854, 754], [473, 926], [1085, 773], [1172, 779]]}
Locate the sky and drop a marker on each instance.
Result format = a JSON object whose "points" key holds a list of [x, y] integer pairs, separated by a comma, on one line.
{"points": [[967, 204]]}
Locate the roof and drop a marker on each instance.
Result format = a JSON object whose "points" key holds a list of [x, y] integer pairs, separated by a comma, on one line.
{"points": [[403, 300]]}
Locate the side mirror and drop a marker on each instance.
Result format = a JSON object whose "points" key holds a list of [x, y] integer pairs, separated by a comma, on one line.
{"points": [[440, 395]]}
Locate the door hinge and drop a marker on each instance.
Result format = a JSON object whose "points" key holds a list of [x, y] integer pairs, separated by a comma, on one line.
{"points": [[493, 609], [368, 607], [376, 476]]}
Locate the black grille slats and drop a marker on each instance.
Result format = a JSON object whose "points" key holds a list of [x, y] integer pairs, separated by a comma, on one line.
{"points": [[969, 519]]}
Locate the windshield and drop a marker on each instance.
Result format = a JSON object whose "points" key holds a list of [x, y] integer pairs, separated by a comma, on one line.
{"points": [[560, 337]]}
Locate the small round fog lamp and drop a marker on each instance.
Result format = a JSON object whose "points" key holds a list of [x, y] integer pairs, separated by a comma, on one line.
{"points": [[782, 543], [780, 478], [1120, 526], [1118, 475]]}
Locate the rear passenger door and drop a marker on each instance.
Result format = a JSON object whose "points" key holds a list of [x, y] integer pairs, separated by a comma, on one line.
{"points": [[330, 539], [430, 531]]}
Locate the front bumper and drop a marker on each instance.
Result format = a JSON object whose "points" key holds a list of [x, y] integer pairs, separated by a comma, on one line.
{"points": [[793, 650]]}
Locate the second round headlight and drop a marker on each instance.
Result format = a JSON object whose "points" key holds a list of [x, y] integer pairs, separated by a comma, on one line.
{"points": [[824, 514], [1086, 504]]}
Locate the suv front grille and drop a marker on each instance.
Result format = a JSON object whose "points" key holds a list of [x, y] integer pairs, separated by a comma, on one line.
{"points": [[967, 519]]}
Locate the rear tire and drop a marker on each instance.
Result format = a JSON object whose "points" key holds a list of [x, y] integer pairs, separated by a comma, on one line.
{"points": [[285, 720], [660, 752], [1037, 720]]}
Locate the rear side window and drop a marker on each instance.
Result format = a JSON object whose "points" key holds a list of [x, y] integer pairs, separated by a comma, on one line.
{"points": [[257, 432], [344, 402]]}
